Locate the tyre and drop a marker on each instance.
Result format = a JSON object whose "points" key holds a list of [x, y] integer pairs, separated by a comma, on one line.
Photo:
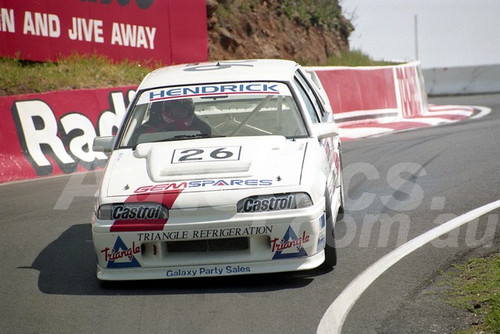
{"points": [[340, 184], [330, 250]]}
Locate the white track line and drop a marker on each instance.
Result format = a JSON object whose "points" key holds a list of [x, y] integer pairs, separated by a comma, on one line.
{"points": [[336, 314], [483, 111]]}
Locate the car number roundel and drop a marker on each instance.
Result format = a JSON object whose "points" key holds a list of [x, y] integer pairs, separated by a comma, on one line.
{"points": [[227, 153]]}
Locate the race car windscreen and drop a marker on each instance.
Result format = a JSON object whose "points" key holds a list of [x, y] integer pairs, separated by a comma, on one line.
{"points": [[215, 110]]}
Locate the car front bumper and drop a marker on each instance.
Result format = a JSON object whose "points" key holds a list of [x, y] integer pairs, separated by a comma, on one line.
{"points": [[279, 241]]}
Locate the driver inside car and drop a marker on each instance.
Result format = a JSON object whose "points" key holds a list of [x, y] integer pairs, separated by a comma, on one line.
{"points": [[175, 115]]}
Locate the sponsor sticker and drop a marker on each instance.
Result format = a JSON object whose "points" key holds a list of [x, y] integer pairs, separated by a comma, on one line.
{"points": [[208, 271], [267, 203], [228, 153], [290, 245], [121, 256], [157, 188], [216, 89], [205, 233], [221, 89], [129, 212]]}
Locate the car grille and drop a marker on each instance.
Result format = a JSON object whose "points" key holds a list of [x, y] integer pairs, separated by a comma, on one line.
{"points": [[212, 245]]}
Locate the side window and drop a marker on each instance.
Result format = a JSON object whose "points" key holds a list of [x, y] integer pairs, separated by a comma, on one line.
{"points": [[310, 91], [307, 100]]}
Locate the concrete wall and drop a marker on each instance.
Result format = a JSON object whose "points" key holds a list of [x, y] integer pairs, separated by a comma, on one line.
{"points": [[462, 80]]}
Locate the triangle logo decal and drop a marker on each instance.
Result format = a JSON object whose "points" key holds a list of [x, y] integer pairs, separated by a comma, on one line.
{"points": [[290, 245], [122, 256]]}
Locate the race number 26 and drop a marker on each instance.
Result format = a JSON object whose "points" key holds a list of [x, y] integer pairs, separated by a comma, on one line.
{"points": [[206, 154]]}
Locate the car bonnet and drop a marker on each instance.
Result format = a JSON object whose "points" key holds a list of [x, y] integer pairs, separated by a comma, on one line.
{"points": [[206, 165]]}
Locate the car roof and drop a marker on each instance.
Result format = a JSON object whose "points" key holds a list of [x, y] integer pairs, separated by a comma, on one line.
{"points": [[221, 71]]}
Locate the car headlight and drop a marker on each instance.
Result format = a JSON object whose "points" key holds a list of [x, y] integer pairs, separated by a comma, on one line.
{"points": [[132, 211], [274, 202]]}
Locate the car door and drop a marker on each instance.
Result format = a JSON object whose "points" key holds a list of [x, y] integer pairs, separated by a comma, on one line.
{"points": [[314, 105]]}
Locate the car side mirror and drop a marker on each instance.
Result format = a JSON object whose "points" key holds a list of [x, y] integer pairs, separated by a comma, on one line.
{"points": [[103, 144], [325, 130]]}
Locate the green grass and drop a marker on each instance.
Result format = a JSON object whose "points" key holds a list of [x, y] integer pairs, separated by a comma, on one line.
{"points": [[76, 72], [20, 77], [355, 58], [314, 12], [475, 286]]}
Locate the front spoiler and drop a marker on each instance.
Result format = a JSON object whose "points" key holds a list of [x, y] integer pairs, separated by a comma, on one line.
{"points": [[283, 265]]}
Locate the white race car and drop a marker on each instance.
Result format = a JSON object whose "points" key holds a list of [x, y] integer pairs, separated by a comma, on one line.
{"points": [[223, 168]]}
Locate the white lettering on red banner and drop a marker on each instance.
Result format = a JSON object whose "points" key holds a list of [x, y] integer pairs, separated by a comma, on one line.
{"points": [[171, 31], [42, 24], [7, 20], [133, 36], [65, 141], [86, 30]]}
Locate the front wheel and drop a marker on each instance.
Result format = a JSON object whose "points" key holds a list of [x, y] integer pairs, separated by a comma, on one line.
{"points": [[330, 250]]}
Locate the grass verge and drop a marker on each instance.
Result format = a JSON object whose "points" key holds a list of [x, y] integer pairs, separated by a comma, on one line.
{"points": [[94, 71], [75, 72], [356, 58], [475, 286]]}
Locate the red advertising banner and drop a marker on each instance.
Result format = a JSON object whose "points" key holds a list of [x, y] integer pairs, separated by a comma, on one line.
{"points": [[168, 31], [52, 133], [412, 104], [351, 89]]}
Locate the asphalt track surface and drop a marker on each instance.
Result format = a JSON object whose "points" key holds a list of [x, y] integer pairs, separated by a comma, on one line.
{"points": [[399, 186]]}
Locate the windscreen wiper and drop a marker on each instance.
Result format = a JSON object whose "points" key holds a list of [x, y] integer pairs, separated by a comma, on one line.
{"points": [[181, 137], [198, 135]]}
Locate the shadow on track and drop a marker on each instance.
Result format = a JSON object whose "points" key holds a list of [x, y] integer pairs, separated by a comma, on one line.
{"points": [[67, 267]]}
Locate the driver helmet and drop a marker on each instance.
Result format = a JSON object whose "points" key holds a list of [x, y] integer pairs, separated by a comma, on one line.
{"points": [[182, 110]]}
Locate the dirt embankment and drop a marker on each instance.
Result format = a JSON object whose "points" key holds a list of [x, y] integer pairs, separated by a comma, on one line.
{"points": [[262, 30]]}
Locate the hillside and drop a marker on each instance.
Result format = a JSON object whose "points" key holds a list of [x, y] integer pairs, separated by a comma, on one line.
{"points": [[306, 31]]}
